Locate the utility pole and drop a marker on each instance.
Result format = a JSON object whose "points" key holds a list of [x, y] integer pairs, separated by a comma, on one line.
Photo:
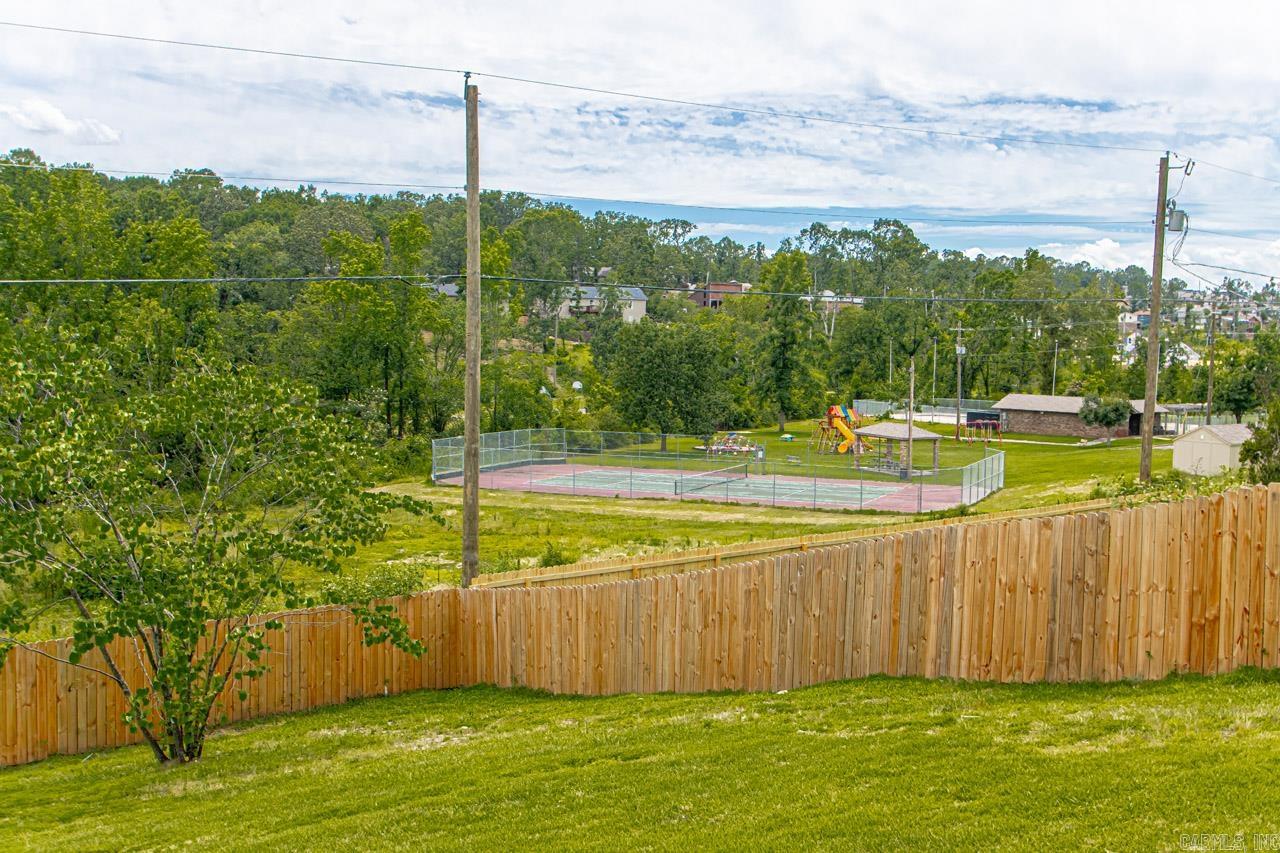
{"points": [[1153, 328], [1208, 404], [471, 395], [959, 330], [933, 393], [1054, 392], [911, 415], [890, 361]]}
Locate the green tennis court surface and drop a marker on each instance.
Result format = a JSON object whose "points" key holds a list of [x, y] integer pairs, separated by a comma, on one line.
{"points": [[713, 485]]}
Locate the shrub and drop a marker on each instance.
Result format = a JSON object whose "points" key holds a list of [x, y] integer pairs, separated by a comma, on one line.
{"points": [[553, 555], [1167, 486], [382, 581], [506, 561]]}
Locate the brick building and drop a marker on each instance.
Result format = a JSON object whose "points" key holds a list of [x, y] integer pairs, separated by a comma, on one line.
{"points": [[712, 294], [1044, 414]]}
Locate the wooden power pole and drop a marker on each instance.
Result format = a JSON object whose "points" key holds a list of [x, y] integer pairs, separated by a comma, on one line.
{"points": [[1153, 327], [471, 395], [1208, 402], [959, 330], [911, 414]]}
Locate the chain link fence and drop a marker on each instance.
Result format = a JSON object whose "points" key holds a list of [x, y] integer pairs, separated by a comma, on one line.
{"points": [[737, 468]]}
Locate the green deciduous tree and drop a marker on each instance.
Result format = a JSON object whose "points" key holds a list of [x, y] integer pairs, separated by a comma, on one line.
{"points": [[668, 378], [166, 518], [1105, 413], [1261, 453], [787, 343]]}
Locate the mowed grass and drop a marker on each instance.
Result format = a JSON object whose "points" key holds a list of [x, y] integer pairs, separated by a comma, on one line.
{"points": [[871, 764], [523, 526]]}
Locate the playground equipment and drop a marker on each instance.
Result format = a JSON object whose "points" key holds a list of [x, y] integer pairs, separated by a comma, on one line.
{"points": [[835, 432], [983, 430], [732, 444]]}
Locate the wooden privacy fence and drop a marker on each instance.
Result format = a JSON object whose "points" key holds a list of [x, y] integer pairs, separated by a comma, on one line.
{"points": [[1136, 593], [316, 658], [693, 559]]}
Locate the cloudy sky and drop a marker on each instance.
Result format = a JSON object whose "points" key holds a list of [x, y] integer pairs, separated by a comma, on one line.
{"points": [[1200, 80]]}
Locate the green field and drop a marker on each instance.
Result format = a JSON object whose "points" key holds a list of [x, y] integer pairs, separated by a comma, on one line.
{"points": [[871, 764]]}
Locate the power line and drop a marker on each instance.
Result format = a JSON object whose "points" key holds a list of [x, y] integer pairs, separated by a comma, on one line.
{"points": [[282, 279], [430, 279], [1238, 171], [694, 288], [1030, 140], [1203, 230], [233, 48], [1231, 269], [441, 278], [768, 211]]}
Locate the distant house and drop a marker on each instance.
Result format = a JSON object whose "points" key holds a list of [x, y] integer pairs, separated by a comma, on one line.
{"points": [[1210, 449], [1045, 414], [712, 294], [589, 299], [829, 300]]}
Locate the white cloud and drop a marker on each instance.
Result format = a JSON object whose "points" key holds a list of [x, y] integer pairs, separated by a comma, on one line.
{"points": [[910, 63], [41, 117], [1101, 253]]}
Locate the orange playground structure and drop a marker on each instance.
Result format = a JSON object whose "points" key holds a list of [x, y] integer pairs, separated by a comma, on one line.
{"points": [[835, 432]]}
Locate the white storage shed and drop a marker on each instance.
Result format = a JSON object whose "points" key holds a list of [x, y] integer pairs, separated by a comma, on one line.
{"points": [[1210, 449]]}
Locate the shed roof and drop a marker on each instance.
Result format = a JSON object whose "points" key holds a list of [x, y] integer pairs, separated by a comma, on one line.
{"points": [[1058, 405], [897, 431], [1232, 434]]}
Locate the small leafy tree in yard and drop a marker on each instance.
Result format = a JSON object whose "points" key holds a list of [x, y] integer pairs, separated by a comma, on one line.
{"points": [[1261, 453], [167, 518], [1107, 414], [1239, 393]]}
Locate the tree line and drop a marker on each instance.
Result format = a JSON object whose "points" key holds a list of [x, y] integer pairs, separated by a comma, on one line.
{"points": [[387, 352]]}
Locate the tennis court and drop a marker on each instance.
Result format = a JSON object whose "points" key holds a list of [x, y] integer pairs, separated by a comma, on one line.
{"points": [[734, 486], [675, 467]]}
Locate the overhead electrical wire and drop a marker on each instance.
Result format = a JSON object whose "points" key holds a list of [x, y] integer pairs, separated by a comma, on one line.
{"points": [[817, 118], [1240, 172], [281, 279], [821, 119], [1204, 230], [442, 278], [1270, 275], [436, 279], [441, 69]]}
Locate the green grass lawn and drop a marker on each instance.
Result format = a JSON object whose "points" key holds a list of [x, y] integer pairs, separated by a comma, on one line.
{"points": [[871, 764]]}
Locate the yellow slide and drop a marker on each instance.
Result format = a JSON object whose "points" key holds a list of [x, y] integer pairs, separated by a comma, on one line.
{"points": [[842, 426]]}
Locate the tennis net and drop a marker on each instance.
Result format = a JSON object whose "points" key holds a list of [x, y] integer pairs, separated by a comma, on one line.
{"points": [[687, 483]]}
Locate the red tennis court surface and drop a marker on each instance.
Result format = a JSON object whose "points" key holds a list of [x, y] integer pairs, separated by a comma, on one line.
{"points": [[769, 489]]}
